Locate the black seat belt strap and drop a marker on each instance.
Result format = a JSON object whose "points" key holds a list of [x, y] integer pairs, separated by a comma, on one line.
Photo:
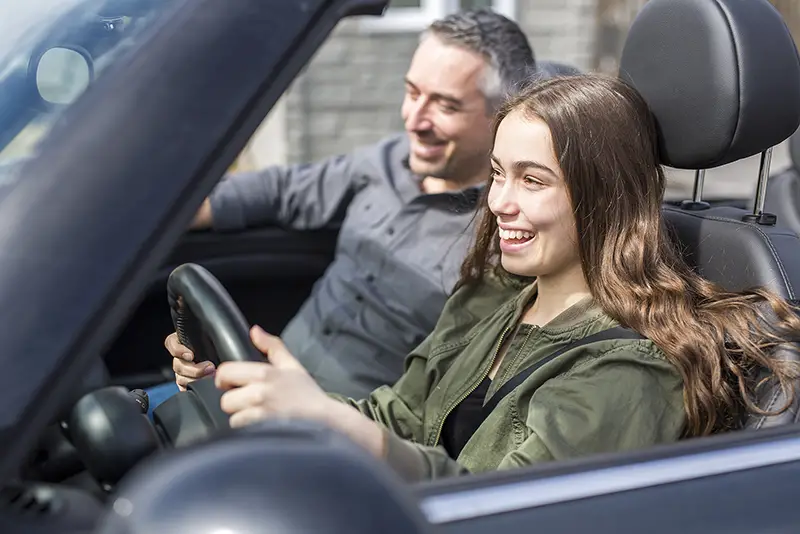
{"points": [[618, 332]]}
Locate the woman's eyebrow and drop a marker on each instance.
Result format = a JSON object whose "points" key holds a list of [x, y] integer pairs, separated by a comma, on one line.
{"points": [[522, 165]]}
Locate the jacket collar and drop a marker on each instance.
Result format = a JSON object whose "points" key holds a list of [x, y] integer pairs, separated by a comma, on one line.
{"points": [[579, 314]]}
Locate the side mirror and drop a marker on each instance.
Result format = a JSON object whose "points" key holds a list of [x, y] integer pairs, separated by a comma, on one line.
{"points": [[60, 74]]}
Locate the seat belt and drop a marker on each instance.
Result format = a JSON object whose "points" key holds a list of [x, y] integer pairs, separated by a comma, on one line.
{"points": [[618, 332]]}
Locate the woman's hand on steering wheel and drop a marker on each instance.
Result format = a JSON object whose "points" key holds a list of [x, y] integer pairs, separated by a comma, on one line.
{"points": [[183, 363], [281, 387], [278, 387]]}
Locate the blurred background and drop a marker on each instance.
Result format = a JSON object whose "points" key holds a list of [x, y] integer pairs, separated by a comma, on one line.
{"points": [[350, 93]]}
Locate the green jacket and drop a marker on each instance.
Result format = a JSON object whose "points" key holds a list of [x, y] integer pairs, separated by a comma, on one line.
{"points": [[606, 396]]}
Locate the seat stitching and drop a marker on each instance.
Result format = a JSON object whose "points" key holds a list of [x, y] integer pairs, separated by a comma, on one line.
{"points": [[770, 245], [763, 418], [775, 396]]}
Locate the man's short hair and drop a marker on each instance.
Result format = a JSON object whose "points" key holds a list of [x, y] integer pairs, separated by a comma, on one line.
{"points": [[497, 38]]}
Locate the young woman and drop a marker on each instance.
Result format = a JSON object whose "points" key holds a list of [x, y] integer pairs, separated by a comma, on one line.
{"points": [[571, 243]]}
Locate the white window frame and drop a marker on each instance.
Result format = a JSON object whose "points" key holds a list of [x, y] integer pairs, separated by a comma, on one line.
{"points": [[412, 19]]}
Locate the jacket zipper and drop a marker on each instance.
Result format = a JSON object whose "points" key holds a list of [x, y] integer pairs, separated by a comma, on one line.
{"points": [[472, 388]]}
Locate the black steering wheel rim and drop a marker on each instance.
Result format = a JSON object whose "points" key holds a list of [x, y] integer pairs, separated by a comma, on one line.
{"points": [[200, 305], [108, 427]]}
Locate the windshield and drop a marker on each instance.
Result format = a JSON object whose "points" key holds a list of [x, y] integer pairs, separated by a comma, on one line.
{"points": [[51, 51]]}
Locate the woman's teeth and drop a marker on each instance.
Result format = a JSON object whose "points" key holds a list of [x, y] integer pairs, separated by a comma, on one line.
{"points": [[515, 234]]}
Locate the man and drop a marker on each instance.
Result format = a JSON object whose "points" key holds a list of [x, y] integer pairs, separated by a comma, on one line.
{"points": [[404, 205]]}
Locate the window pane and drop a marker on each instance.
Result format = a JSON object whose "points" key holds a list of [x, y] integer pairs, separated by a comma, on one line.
{"points": [[405, 3], [474, 4]]}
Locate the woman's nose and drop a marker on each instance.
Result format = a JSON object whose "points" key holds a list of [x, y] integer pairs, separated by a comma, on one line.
{"points": [[504, 201]]}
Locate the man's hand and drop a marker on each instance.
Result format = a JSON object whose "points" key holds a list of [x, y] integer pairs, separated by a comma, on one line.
{"points": [[183, 363], [281, 387]]}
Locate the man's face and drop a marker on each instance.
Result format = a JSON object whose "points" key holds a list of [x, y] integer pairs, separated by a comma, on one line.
{"points": [[445, 112]]}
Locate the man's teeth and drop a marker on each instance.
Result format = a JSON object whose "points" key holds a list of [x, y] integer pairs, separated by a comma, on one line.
{"points": [[515, 234]]}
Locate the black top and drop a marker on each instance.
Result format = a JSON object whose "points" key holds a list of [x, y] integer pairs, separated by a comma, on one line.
{"points": [[468, 415], [464, 420]]}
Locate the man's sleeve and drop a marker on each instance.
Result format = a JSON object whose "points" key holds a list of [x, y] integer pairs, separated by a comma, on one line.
{"points": [[400, 408], [301, 197]]}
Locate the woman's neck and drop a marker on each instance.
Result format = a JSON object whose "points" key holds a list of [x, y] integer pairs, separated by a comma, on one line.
{"points": [[555, 294]]}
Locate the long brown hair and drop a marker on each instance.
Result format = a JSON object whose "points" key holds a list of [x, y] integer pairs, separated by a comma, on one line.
{"points": [[605, 140]]}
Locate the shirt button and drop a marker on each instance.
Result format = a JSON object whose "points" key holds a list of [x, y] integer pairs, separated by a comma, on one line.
{"points": [[390, 231], [359, 298], [370, 278]]}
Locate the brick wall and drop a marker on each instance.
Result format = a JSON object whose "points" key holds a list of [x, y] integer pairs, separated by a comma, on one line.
{"points": [[350, 93], [562, 30]]}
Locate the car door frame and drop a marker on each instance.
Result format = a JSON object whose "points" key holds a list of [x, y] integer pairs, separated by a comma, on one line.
{"points": [[738, 482]]}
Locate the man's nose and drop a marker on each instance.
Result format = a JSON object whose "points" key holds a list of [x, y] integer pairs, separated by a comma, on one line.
{"points": [[418, 116]]}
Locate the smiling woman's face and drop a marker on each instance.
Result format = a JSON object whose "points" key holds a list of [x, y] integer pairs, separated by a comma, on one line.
{"points": [[528, 196]]}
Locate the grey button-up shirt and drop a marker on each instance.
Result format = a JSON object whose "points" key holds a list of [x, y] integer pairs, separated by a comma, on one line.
{"points": [[397, 259]]}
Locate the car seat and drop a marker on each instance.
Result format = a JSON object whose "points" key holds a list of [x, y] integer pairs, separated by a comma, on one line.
{"points": [[722, 78]]}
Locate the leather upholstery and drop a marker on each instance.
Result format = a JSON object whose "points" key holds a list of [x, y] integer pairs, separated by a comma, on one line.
{"points": [[722, 78], [736, 254], [740, 255]]}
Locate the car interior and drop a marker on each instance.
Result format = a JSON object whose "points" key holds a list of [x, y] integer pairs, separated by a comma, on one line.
{"points": [[124, 478], [281, 263]]}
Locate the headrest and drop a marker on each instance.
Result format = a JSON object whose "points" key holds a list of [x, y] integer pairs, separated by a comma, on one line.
{"points": [[794, 149], [722, 78], [554, 68]]}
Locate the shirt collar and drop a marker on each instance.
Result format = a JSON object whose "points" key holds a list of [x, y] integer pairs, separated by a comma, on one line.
{"points": [[460, 201]]}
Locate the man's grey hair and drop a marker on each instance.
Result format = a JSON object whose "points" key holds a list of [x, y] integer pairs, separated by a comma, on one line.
{"points": [[497, 38]]}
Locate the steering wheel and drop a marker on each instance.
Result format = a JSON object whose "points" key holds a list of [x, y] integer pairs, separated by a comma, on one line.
{"points": [[109, 428], [206, 319], [210, 324]]}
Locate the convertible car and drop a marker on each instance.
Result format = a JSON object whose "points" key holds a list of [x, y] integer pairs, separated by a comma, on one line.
{"points": [[117, 117]]}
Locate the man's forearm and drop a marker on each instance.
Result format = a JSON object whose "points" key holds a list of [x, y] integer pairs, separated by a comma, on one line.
{"points": [[203, 218]]}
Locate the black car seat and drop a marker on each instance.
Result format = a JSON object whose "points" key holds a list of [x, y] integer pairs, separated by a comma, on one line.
{"points": [[722, 79], [783, 190]]}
